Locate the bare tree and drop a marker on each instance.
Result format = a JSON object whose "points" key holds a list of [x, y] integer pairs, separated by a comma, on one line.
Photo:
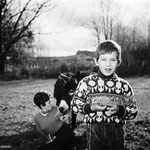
{"points": [[144, 19], [148, 40], [15, 23], [104, 18]]}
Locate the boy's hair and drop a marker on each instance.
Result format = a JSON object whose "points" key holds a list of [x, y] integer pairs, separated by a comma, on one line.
{"points": [[108, 46], [41, 97]]}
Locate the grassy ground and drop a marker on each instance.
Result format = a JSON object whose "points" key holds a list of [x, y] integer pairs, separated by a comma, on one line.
{"points": [[17, 129]]}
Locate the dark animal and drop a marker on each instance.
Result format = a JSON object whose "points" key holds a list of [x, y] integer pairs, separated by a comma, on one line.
{"points": [[64, 88]]}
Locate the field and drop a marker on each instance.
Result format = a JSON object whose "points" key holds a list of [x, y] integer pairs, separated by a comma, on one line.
{"points": [[17, 129]]}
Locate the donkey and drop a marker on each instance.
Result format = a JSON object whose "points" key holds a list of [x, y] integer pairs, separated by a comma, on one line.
{"points": [[64, 88]]}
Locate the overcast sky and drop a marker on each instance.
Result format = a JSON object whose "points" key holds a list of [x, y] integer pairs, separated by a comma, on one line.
{"points": [[65, 38]]}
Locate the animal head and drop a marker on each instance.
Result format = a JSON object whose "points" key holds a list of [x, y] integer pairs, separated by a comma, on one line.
{"points": [[65, 85]]}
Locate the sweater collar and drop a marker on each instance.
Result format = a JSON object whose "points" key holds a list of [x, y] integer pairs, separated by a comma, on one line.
{"points": [[43, 114], [106, 78]]}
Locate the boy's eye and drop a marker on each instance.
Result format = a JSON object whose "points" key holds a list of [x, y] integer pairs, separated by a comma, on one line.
{"points": [[103, 59], [49, 102], [114, 60]]}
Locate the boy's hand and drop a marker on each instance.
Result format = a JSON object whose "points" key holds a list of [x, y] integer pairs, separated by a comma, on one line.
{"points": [[65, 118], [110, 110], [53, 101], [63, 107], [98, 107]]}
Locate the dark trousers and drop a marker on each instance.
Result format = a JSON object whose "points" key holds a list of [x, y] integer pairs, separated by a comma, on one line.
{"points": [[105, 137], [64, 140]]}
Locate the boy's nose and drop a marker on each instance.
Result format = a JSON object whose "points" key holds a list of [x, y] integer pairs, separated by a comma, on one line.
{"points": [[108, 63]]}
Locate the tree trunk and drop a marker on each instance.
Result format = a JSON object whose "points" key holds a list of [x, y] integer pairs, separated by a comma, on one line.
{"points": [[2, 65]]}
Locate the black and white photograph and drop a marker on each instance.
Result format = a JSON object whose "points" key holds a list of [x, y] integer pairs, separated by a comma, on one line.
{"points": [[74, 75]]}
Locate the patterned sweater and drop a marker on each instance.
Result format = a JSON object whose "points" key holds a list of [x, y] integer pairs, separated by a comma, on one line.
{"points": [[95, 88]]}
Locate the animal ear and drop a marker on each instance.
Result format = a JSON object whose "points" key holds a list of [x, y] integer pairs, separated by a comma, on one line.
{"points": [[78, 75], [63, 76]]}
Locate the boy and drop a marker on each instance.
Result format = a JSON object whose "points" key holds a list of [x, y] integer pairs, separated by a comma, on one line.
{"points": [[50, 121], [105, 100]]}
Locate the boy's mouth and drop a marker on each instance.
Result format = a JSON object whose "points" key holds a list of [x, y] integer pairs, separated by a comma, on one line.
{"points": [[108, 70]]}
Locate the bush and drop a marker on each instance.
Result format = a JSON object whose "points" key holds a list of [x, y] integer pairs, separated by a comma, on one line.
{"points": [[63, 68], [11, 75], [24, 73], [135, 63]]}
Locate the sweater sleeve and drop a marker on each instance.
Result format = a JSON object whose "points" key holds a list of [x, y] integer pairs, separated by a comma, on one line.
{"points": [[79, 102], [128, 110]]}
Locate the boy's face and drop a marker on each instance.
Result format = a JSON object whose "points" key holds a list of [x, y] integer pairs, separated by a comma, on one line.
{"points": [[48, 105], [107, 63]]}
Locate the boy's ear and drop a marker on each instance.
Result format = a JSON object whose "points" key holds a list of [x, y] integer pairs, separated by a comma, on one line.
{"points": [[41, 106], [95, 60], [119, 62]]}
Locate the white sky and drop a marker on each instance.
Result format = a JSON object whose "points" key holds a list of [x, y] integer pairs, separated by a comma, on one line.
{"points": [[66, 37]]}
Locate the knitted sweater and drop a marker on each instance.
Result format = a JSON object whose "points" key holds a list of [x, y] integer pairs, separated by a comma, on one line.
{"points": [[96, 88], [50, 123]]}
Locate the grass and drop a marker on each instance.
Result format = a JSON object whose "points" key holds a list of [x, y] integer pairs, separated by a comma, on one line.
{"points": [[17, 129]]}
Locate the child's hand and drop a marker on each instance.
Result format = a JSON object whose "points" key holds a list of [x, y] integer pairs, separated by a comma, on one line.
{"points": [[65, 118], [98, 107], [63, 107], [53, 101], [110, 110]]}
